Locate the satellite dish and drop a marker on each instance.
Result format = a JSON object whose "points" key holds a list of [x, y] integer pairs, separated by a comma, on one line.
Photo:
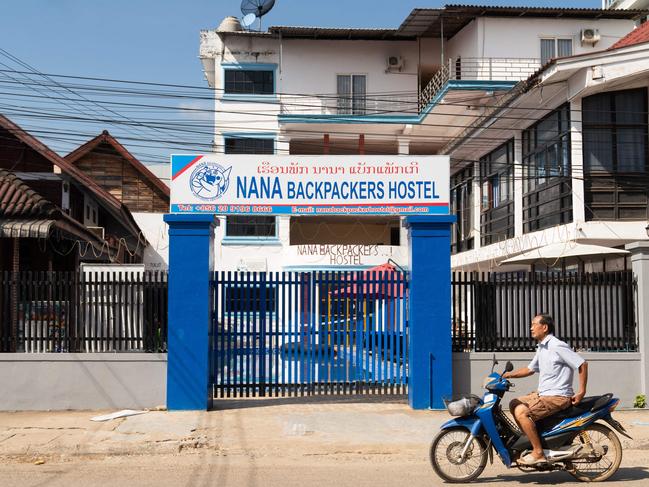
{"points": [[258, 8], [248, 20]]}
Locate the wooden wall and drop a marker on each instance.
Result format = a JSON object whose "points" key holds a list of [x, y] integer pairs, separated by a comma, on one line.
{"points": [[117, 176]]}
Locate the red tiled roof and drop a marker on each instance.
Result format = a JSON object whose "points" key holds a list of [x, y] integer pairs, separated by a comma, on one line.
{"points": [[105, 137], [17, 200], [636, 36], [25, 213]]}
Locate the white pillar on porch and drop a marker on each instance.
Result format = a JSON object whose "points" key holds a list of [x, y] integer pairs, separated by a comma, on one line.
{"points": [[476, 206], [518, 185], [282, 145], [404, 146], [577, 163], [640, 266]]}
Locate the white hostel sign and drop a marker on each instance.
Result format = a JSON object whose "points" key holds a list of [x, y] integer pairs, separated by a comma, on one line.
{"points": [[310, 185]]}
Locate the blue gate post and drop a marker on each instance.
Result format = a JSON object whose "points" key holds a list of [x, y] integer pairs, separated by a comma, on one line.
{"points": [[191, 262], [430, 365]]}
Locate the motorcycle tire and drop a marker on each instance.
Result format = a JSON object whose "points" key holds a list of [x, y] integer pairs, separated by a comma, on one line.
{"points": [[444, 454], [601, 468]]}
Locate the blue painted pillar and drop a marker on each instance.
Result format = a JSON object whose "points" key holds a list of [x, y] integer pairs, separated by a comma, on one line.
{"points": [[430, 364], [191, 261]]}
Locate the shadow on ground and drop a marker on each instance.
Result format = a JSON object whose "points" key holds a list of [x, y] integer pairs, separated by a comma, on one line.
{"points": [[244, 403], [624, 474]]}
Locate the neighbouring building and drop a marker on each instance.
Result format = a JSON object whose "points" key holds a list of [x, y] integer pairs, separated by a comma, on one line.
{"points": [[107, 162], [54, 217], [434, 85]]}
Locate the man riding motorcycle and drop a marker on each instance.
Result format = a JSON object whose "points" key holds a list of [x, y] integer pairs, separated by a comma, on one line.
{"points": [[555, 361]]}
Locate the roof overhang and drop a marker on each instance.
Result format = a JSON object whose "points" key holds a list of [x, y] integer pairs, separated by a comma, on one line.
{"points": [[25, 228], [554, 83], [567, 250], [427, 22]]}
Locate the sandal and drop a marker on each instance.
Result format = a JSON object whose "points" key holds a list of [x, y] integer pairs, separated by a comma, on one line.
{"points": [[529, 460]]}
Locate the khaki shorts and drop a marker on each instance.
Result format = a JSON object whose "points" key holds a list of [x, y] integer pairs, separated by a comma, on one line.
{"points": [[541, 406]]}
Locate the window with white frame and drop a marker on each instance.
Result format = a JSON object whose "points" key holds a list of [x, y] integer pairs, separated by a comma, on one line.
{"points": [[252, 81], [555, 47], [351, 91]]}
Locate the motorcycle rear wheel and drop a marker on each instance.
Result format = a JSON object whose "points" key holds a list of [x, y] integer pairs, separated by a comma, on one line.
{"points": [[445, 456], [597, 469]]}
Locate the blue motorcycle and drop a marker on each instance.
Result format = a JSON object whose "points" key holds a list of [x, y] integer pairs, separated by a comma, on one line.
{"points": [[575, 440]]}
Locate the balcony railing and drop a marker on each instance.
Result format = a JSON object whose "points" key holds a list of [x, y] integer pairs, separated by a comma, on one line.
{"points": [[478, 69], [334, 105]]}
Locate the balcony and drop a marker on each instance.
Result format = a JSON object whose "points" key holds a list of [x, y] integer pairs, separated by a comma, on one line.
{"points": [[334, 107], [477, 69]]}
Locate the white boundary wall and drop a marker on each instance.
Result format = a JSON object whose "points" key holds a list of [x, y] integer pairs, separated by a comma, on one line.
{"points": [[618, 373], [56, 381]]}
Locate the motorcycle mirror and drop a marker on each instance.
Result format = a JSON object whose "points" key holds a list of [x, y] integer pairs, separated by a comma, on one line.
{"points": [[509, 366], [494, 362]]}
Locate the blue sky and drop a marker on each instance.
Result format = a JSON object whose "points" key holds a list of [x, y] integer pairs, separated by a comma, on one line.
{"points": [[158, 41]]}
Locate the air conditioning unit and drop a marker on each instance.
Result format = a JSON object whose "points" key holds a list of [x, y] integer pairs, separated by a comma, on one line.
{"points": [[98, 231], [395, 63], [590, 36]]}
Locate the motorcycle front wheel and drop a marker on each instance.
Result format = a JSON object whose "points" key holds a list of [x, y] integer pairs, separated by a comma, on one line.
{"points": [[597, 467], [446, 456]]}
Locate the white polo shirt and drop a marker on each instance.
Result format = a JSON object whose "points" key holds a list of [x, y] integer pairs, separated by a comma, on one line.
{"points": [[556, 363]]}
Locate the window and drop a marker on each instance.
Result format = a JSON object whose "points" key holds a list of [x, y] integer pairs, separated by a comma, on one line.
{"points": [[547, 200], [496, 172], [249, 82], [351, 94], [615, 155], [248, 145], [553, 48], [462, 207], [250, 226], [497, 194], [251, 299], [615, 132]]}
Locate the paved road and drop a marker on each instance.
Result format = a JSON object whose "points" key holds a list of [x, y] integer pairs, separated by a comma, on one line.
{"points": [[256, 444], [213, 469]]}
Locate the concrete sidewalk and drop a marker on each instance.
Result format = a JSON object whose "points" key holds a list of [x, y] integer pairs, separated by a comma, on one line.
{"points": [[254, 428]]}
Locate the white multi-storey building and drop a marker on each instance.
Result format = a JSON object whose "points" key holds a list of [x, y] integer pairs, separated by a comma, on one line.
{"points": [[424, 88]]}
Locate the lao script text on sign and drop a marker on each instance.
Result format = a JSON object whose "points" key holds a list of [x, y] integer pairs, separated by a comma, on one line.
{"points": [[310, 185]]}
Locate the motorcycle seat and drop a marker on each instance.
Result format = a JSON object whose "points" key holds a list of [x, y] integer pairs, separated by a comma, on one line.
{"points": [[591, 403]]}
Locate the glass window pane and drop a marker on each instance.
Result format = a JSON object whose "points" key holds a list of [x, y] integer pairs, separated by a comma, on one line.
{"points": [[552, 161], [630, 107], [485, 195], [598, 149], [564, 47], [597, 109], [251, 82], [547, 50], [495, 191], [344, 91], [631, 149], [358, 94]]}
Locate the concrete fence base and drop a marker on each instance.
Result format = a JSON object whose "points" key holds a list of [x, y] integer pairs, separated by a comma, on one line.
{"points": [[138, 380], [49, 381], [618, 373]]}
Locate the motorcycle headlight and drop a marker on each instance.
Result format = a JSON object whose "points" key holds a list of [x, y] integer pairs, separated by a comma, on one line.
{"points": [[487, 380]]}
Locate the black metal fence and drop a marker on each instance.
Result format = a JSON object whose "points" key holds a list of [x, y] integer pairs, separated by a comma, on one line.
{"points": [[592, 311], [83, 312]]}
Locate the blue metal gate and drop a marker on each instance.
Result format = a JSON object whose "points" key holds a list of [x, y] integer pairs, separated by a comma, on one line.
{"points": [[297, 334]]}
